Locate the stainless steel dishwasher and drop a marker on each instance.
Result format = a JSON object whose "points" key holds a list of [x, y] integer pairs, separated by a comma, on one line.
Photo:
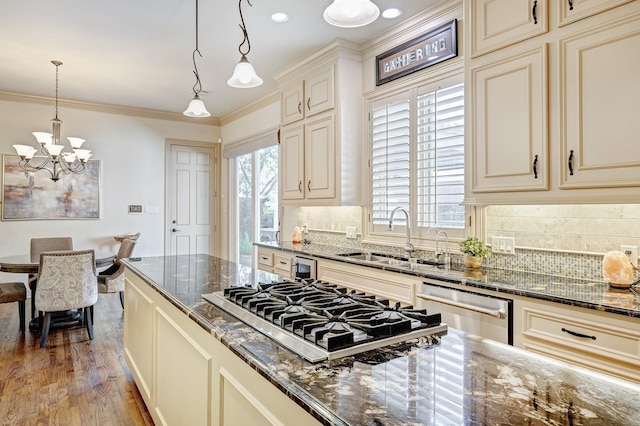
{"points": [[485, 315]]}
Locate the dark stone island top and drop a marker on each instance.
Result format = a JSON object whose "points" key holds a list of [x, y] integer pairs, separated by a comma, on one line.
{"points": [[586, 293], [455, 379]]}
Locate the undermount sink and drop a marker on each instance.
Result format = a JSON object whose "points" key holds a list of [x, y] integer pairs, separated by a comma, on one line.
{"points": [[394, 262], [391, 260], [370, 257]]}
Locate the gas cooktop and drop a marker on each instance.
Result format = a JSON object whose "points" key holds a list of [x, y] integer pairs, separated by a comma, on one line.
{"points": [[320, 321]]}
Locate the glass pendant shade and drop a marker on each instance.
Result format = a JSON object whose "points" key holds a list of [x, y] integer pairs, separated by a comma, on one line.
{"points": [[54, 150], [244, 76], [25, 151], [83, 154], [43, 137], [75, 142], [351, 13], [196, 108]]}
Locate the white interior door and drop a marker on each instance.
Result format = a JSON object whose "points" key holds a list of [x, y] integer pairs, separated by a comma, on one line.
{"points": [[191, 199]]}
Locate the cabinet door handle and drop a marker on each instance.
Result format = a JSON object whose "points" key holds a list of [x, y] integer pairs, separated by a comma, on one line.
{"points": [[309, 103], [571, 162], [535, 167], [299, 186], [533, 12], [570, 4], [575, 333], [309, 185], [300, 107]]}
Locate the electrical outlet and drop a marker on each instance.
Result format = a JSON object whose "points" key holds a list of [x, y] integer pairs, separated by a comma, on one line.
{"points": [[352, 232], [503, 245], [632, 252]]}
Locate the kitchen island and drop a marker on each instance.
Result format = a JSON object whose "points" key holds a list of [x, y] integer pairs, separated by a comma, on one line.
{"points": [[451, 379]]}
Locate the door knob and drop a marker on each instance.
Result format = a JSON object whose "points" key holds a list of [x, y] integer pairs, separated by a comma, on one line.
{"points": [[175, 230]]}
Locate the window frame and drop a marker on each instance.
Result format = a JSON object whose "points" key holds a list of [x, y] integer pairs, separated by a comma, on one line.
{"points": [[421, 238]]}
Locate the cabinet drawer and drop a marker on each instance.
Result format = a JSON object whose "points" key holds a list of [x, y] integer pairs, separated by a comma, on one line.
{"points": [[282, 264], [265, 258], [601, 340]]}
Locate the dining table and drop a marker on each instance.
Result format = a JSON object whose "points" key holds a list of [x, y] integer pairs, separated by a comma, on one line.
{"points": [[25, 264]]}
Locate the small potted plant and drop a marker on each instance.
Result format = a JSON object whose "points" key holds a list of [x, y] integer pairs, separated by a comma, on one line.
{"points": [[474, 252]]}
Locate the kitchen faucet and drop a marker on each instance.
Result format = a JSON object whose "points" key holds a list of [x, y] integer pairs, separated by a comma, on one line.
{"points": [[446, 247], [408, 247]]}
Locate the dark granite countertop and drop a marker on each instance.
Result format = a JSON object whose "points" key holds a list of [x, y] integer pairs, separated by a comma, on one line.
{"points": [[454, 379], [585, 293]]}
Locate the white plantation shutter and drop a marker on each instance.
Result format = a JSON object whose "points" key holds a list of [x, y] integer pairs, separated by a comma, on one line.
{"points": [[390, 159], [440, 158], [417, 157]]}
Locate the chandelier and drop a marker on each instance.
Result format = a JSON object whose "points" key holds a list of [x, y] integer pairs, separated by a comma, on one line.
{"points": [[53, 160]]}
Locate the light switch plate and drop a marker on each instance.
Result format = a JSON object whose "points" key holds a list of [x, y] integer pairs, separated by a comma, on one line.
{"points": [[352, 232], [503, 245]]}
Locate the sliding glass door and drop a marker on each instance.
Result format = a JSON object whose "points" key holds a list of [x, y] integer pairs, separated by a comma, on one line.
{"points": [[256, 201]]}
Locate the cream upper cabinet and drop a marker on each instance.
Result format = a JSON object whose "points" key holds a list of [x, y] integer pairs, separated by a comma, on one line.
{"points": [[319, 92], [291, 172], [509, 123], [307, 159], [305, 98], [319, 165], [552, 119], [599, 136], [292, 103], [499, 23], [321, 148], [573, 10]]}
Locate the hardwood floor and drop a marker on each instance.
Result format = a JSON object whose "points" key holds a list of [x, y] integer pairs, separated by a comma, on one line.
{"points": [[74, 380]]}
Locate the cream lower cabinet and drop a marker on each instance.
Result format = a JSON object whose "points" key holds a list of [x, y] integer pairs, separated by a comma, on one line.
{"points": [[597, 340], [275, 261], [390, 285], [187, 377], [265, 259]]}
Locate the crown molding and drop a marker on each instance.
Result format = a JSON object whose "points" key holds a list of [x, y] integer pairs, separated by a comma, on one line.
{"points": [[108, 108], [268, 99]]}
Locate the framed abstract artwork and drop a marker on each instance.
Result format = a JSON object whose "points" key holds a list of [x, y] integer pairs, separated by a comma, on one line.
{"points": [[34, 196]]}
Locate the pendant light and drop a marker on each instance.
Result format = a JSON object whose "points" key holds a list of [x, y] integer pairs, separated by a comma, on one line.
{"points": [[196, 107], [351, 13], [244, 76]]}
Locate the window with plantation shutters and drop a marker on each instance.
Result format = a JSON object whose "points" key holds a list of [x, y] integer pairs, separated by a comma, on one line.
{"points": [[390, 162], [440, 158], [417, 158]]}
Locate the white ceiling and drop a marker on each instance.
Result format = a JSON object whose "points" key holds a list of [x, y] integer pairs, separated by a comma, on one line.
{"points": [[138, 53]]}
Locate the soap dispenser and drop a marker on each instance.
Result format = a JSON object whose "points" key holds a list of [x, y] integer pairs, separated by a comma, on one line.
{"points": [[305, 235]]}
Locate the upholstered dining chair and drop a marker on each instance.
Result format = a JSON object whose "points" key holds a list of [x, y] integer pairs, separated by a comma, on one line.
{"points": [[111, 280], [66, 280], [15, 292], [38, 245]]}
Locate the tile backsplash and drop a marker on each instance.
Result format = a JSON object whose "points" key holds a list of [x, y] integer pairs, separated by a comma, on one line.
{"points": [[567, 240]]}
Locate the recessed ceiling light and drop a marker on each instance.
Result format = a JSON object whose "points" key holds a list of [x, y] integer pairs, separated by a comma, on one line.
{"points": [[391, 13], [279, 17]]}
